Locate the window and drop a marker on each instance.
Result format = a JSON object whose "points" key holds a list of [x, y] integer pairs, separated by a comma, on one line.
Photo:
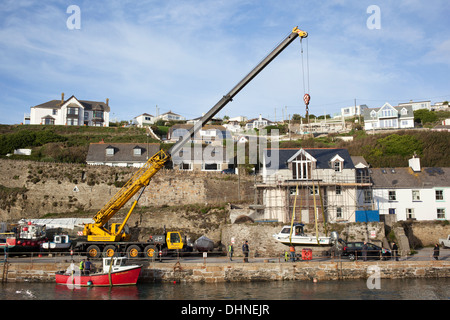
{"points": [[392, 195], [72, 121], [316, 191], [137, 151], [440, 213], [211, 166], [185, 166], [72, 111], [391, 210], [338, 213], [416, 195], [410, 213], [439, 195], [338, 190], [337, 166], [301, 169], [55, 112], [293, 191], [49, 121], [110, 151], [367, 196]]}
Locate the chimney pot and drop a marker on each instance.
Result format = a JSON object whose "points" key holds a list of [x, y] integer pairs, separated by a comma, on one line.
{"points": [[107, 101]]}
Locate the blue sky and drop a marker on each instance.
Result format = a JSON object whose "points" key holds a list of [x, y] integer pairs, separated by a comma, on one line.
{"points": [[185, 55]]}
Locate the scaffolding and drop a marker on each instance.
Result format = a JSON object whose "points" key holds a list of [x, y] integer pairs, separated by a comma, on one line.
{"points": [[337, 196]]}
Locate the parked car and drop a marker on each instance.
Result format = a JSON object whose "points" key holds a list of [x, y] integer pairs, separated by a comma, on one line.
{"points": [[353, 250], [228, 171]]}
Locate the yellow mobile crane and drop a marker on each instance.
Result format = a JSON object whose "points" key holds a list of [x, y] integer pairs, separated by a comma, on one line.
{"points": [[116, 239]]}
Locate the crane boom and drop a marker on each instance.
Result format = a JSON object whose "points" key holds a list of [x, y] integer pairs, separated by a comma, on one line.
{"points": [[138, 182]]}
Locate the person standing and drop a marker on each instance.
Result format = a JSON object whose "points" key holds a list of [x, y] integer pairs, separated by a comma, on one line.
{"points": [[245, 250], [87, 267], [436, 252], [82, 266], [364, 251], [292, 251], [230, 251], [395, 250]]}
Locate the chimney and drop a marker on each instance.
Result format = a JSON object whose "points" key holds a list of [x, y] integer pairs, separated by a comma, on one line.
{"points": [[414, 163], [62, 98], [107, 102]]}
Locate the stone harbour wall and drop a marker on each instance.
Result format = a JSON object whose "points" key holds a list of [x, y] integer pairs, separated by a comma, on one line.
{"points": [[267, 271], [32, 189]]}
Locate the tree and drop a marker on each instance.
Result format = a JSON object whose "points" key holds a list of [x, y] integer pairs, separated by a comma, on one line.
{"points": [[424, 116]]}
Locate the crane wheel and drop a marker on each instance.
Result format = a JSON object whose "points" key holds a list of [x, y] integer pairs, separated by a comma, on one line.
{"points": [[149, 251], [133, 251], [93, 251], [110, 251]]}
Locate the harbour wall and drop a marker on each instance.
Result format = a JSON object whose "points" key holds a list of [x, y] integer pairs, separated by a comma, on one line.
{"points": [[245, 272]]}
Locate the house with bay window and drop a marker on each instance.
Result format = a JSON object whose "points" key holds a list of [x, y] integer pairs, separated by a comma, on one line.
{"points": [[311, 184], [388, 117], [71, 112]]}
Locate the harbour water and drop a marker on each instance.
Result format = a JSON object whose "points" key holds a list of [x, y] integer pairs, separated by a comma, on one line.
{"points": [[388, 289]]}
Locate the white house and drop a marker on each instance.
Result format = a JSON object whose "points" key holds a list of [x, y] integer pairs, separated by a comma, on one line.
{"points": [[170, 116], [257, 123], [144, 119], [388, 117], [416, 105], [412, 192], [353, 111], [71, 112]]}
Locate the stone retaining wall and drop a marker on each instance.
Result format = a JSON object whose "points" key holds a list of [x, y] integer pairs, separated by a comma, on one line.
{"points": [[267, 271]]}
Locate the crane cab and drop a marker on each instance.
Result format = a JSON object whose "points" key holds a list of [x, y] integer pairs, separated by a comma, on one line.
{"points": [[174, 240]]}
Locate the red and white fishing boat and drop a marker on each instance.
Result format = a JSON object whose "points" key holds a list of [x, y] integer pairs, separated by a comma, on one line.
{"points": [[24, 237], [112, 273]]}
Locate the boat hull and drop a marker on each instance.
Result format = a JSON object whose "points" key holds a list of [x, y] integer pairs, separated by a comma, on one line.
{"points": [[55, 246], [303, 240], [118, 278]]}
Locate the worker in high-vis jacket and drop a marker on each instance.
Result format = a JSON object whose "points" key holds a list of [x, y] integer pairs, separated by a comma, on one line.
{"points": [[82, 266]]}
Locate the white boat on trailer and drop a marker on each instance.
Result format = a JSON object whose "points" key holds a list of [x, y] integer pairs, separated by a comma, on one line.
{"points": [[299, 238], [60, 242]]}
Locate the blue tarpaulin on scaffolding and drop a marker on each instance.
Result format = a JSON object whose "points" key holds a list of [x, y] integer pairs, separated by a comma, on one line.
{"points": [[367, 216]]}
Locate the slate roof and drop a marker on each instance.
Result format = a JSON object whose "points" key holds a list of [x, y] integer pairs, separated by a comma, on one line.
{"points": [[88, 105], [409, 113], [428, 177], [322, 155], [123, 152]]}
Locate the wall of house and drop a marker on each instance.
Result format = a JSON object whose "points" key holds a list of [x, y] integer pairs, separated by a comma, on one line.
{"points": [[424, 209]]}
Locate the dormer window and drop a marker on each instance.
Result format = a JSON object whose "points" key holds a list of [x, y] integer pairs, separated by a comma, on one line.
{"points": [[110, 151], [337, 163], [137, 151]]}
